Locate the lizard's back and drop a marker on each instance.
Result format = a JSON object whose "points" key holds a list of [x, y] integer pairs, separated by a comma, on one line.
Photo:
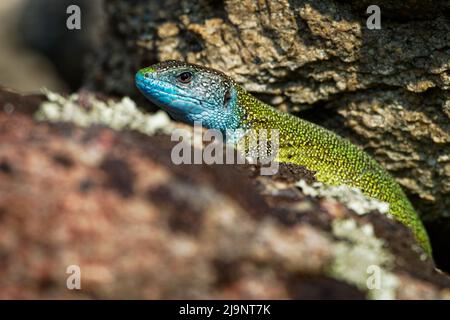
{"points": [[335, 160]]}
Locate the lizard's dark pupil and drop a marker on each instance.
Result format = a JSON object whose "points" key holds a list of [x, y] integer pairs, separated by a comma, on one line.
{"points": [[185, 77], [226, 98]]}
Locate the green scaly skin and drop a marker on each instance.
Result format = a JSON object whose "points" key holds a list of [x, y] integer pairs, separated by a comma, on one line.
{"points": [[195, 93], [335, 160]]}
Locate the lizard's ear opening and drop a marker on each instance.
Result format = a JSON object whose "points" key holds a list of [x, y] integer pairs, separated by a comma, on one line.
{"points": [[227, 98]]}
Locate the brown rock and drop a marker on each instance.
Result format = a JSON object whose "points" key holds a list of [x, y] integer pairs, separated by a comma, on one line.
{"points": [[139, 226]]}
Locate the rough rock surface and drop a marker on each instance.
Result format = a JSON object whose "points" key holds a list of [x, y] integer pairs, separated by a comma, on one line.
{"points": [[138, 226], [387, 90]]}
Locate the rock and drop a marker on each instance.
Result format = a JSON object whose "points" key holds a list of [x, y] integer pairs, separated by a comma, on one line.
{"points": [[386, 90], [113, 203]]}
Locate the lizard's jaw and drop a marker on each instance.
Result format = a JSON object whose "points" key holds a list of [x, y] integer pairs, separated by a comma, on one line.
{"points": [[177, 103]]}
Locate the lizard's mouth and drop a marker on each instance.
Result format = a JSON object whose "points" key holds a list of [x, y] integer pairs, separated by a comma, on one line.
{"points": [[169, 97]]}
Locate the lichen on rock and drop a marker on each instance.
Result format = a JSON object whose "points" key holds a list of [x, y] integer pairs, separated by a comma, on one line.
{"points": [[352, 198], [84, 109], [363, 259]]}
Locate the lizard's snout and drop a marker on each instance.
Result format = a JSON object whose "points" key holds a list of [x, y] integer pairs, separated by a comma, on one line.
{"points": [[145, 73], [143, 76]]}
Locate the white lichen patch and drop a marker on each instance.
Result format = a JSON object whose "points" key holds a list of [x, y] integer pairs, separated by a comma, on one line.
{"points": [[352, 198], [361, 259], [118, 115]]}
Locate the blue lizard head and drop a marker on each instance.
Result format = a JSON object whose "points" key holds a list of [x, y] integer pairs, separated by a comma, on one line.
{"points": [[191, 93]]}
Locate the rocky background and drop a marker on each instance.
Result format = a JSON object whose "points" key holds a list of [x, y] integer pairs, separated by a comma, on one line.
{"points": [[110, 200]]}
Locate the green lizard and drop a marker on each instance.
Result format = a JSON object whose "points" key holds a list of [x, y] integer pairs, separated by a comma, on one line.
{"points": [[193, 93]]}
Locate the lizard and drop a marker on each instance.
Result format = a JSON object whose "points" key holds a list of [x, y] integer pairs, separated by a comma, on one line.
{"points": [[193, 93]]}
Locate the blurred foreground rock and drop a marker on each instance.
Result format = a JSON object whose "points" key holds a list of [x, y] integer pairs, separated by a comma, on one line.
{"points": [[138, 226]]}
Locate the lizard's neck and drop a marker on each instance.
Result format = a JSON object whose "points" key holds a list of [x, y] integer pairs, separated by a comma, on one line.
{"points": [[254, 113]]}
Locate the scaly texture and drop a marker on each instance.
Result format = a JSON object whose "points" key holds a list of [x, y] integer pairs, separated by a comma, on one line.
{"points": [[194, 93], [335, 160]]}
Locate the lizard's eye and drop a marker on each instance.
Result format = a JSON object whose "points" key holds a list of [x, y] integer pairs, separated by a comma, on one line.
{"points": [[226, 98], [185, 77], [146, 75]]}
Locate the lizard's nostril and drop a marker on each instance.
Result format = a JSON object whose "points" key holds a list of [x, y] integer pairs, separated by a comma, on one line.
{"points": [[146, 72]]}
